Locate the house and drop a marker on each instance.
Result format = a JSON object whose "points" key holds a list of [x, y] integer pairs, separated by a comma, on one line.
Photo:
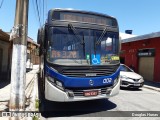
{"points": [[143, 53], [32, 53], [6, 55]]}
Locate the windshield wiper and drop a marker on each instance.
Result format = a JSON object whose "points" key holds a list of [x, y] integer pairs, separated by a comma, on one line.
{"points": [[76, 34], [102, 35], [74, 31]]}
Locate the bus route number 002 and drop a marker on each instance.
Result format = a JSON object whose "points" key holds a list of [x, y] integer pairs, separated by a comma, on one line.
{"points": [[107, 80]]}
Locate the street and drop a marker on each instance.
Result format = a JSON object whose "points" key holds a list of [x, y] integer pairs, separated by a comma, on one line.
{"points": [[128, 100]]}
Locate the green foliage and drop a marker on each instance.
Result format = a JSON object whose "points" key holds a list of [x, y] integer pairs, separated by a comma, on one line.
{"points": [[35, 118], [37, 104]]}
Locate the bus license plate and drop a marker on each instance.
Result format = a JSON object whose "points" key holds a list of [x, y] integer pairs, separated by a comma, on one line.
{"points": [[90, 93]]}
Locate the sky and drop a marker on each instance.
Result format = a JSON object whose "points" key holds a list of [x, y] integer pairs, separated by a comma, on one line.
{"points": [[141, 16]]}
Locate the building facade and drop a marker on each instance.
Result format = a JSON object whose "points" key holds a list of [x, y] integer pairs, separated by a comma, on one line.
{"points": [[142, 53], [32, 53], [6, 55]]}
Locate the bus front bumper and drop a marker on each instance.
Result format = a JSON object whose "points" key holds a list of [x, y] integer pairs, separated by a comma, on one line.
{"points": [[53, 93]]}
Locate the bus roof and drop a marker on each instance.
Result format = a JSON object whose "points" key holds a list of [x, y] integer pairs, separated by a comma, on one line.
{"points": [[80, 11], [80, 18]]}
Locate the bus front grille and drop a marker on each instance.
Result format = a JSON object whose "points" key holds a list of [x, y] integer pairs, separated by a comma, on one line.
{"points": [[95, 71]]}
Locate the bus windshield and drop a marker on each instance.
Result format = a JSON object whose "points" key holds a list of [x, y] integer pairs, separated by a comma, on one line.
{"points": [[80, 46]]}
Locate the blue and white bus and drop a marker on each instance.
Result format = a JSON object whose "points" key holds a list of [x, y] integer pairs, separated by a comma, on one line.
{"points": [[79, 56]]}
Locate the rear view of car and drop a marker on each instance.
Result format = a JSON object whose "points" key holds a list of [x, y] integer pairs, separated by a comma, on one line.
{"points": [[129, 78]]}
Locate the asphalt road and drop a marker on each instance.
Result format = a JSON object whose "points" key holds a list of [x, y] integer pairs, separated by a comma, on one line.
{"points": [[128, 103]]}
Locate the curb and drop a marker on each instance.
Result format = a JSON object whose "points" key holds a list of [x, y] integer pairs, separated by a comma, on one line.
{"points": [[152, 88]]}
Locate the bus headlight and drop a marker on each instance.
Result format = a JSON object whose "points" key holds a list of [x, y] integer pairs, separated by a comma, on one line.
{"points": [[51, 79], [59, 85], [56, 83]]}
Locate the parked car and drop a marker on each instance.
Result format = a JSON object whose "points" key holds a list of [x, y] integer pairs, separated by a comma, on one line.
{"points": [[129, 78]]}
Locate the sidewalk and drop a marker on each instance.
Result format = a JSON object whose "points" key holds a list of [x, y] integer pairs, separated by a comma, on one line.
{"points": [[152, 85], [4, 95], [31, 84]]}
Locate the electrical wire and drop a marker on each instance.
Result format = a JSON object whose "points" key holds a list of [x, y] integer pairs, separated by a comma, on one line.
{"points": [[38, 12], [40, 8], [46, 7], [43, 11], [1, 4]]}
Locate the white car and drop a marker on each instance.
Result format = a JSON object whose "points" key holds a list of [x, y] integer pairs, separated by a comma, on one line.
{"points": [[129, 78]]}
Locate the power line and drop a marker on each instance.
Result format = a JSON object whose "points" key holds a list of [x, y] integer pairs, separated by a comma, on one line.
{"points": [[43, 11], [34, 7], [38, 13], [46, 7], [39, 7], [1, 4]]}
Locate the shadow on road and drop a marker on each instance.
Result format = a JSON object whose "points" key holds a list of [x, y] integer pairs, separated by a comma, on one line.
{"points": [[131, 89], [55, 109], [151, 83], [28, 69], [4, 83]]}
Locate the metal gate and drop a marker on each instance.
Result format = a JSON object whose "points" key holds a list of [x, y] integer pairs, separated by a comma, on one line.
{"points": [[146, 67]]}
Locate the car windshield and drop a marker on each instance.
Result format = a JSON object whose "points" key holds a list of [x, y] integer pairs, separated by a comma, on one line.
{"points": [[75, 46], [124, 68]]}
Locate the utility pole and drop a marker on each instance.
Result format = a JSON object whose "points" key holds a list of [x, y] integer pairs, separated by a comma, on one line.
{"points": [[19, 53]]}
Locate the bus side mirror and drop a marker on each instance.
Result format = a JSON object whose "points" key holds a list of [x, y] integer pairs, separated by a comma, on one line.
{"points": [[40, 40]]}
